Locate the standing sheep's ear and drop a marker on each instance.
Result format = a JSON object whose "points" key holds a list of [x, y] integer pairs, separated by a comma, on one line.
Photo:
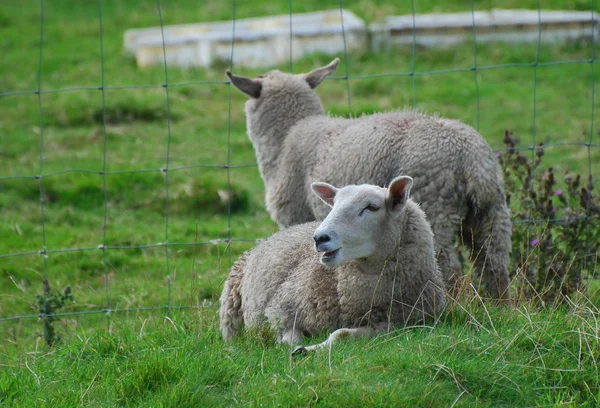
{"points": [[325, 192], [398, 192], [250, 87], [314, 78]]}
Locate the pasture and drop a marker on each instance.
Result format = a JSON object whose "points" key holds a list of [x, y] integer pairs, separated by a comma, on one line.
{"points": [[100, 133]]}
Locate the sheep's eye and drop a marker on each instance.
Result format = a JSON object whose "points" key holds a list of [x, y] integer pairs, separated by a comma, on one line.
{"points": [[370, 207]]}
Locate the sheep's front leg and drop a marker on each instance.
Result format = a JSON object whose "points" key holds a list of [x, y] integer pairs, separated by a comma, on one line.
{"points": [[290, 336], [336, 336]]}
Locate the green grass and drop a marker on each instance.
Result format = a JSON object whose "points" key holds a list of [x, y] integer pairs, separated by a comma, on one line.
{"points": [[525, 363], [470, 358]]}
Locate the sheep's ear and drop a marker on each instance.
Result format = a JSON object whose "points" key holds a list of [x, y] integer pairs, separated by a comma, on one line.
{"points": [[314, 78], [250, 87], [325, 192], [398, 192]]}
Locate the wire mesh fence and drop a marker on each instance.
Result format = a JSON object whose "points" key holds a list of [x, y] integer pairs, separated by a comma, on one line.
{"points": [[107, 247]]}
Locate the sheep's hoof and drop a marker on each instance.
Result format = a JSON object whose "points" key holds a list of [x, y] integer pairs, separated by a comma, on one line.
{"points": [[299, 351]]}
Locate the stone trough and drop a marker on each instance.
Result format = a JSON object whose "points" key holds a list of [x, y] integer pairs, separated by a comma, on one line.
{"points": [[259, 42], [494, 25]]}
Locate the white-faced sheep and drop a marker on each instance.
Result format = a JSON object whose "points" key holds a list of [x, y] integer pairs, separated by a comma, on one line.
{"points": [[458, 181], [377, 270]]}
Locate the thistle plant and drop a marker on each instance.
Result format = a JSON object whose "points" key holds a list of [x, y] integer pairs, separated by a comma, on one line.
{"points": [[48, 304], [556, 228]]}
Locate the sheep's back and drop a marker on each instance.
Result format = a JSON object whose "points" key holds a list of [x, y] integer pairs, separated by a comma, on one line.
{"points": [[446, 158]]}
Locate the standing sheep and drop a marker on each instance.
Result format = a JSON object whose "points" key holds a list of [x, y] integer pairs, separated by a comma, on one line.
{"points": [[458, 182], [377, 270]]}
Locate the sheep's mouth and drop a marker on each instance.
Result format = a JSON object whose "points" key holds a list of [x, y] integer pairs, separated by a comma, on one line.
{"points": [[330, 254]]}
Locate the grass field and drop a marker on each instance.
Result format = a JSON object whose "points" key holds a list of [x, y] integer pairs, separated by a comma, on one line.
{"points": [[129, 132], [519, 358]]}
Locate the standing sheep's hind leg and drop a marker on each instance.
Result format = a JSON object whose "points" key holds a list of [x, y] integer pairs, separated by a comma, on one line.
{"points": [[335, 337], [491, 250]]}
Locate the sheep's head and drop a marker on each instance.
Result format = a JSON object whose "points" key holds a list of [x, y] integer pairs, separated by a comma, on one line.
{"points": [[285, 94], [253, 87], [358, 220]]}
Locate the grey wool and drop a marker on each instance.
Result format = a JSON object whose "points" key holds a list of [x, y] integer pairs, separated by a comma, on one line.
{"points": [[377, 270], [457, 179]]}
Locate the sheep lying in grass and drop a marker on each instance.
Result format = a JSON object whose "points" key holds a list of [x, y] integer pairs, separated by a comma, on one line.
{"points": [[458, 182], [377, 270]]}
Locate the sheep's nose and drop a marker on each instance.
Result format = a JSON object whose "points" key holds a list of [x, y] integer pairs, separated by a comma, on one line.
{"points": [[321, 238]]}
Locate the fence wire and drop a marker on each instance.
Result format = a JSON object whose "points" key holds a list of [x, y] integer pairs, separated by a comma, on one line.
{"points": [[166, 170]]}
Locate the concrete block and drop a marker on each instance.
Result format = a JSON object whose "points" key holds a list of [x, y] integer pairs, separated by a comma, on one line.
{"points": [[494, 25], [259, 42]]}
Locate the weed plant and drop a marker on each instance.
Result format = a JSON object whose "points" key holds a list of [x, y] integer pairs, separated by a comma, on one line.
{"points": [[556, 233]]}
